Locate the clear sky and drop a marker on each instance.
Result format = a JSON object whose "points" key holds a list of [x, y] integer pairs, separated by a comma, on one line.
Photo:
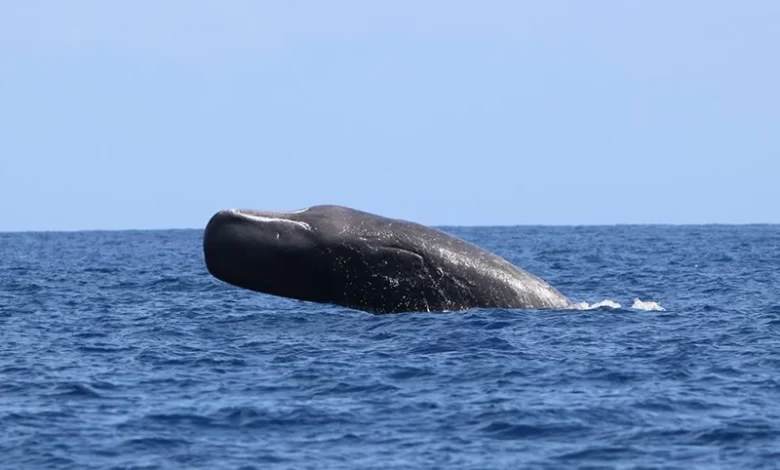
{"points": [[155, 114]]}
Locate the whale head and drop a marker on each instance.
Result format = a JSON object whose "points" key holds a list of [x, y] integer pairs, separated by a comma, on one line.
{"points": [[315, 254], [272, 252]]}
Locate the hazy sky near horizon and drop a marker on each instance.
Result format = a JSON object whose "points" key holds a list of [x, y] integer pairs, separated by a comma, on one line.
{"points": [[151, 114]]}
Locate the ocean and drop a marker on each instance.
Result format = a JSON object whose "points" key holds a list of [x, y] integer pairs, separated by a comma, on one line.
{"points": [[119, 351]]}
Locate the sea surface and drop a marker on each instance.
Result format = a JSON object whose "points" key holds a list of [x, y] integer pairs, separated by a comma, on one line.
{"points": [[119, 351]]}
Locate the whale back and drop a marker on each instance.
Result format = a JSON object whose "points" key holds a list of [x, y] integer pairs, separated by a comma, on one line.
{"points": [[411, 267]]}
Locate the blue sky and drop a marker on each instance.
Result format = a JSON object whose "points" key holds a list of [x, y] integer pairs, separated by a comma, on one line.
{"points": [[152, 114]]}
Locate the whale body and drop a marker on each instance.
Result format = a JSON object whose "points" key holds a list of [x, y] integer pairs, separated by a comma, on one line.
{"points": [[338, 255]]}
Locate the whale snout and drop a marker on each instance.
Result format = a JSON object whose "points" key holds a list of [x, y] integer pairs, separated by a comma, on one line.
{"points": [[223, 242], [269, 252], [239, 243]]}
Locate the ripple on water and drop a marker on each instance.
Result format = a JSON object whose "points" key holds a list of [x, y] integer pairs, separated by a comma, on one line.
{"points": [[118, 350]]}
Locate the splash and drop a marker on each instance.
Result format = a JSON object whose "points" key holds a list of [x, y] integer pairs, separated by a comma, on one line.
{"points": [[603, 304], [647, 305], [644, 305]]}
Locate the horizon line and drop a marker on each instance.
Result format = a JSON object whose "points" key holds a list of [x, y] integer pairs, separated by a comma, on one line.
{"points": [[528, 225]]}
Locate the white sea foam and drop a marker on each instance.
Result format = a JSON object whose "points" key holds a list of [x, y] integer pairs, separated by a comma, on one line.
{"points": [[644, 305], [647, 305], [603, 304]]}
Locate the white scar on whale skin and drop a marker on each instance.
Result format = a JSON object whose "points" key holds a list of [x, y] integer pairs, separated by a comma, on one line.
{"points": [[260, 218]]}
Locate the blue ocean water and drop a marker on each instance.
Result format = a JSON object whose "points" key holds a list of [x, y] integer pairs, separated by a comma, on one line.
{"points": [[118, 350]]}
